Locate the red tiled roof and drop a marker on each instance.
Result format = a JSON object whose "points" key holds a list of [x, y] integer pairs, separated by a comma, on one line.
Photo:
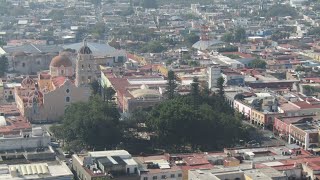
{"points": [[315, 79], [196, 160], [59, 80], [9, 110], [16, 123], [305, 105]]}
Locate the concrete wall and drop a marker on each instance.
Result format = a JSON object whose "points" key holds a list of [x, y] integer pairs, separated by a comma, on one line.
{"points": [[160, 174], [24, 143], [30, 64]]}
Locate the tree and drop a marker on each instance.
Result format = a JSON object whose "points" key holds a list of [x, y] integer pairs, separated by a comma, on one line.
{"points": [[177, 124], [149, 4], [171, 85], [281, 11], [192, 38], [3, 43], [56, 14], [108, 94], [220, 83], [314, 31], [96, 2], [93, 124], [309, 90], [239, 97], [300, 68], [98, 29], [228, 49], [195, 93], [95, 87], [153, 47], [258, 63], [240, 35], [227, 37], [4, 64]]}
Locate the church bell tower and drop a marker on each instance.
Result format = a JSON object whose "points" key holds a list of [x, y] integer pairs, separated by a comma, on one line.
{"points": [[85, 66]]}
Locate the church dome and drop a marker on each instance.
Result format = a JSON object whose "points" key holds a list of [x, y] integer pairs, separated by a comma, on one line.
{"points": [[61, 60], [27, 82]]}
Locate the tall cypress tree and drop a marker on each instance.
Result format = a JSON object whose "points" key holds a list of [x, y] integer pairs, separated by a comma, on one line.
{"points": [[195, 92], [220, 86], [171, 85]]}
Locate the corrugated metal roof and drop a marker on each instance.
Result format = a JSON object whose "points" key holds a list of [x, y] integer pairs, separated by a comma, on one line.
{"points": [[96, 48]]}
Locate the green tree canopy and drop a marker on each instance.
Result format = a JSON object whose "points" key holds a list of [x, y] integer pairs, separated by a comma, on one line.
{"points": [[94, 124], [220, 84], [258, 63], [237, 35], [153, 47], [3, 65], [149, 4], [192, 38], [314, 31], [211, 126], [56, 14], [95, 87], [281, 10], [171, 85]]}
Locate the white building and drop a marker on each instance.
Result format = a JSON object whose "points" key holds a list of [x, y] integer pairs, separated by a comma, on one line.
{"points": [[45, 171], [35, 139], [214, 72]]}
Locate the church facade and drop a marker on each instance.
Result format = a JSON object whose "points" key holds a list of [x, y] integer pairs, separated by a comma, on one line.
{"points": [[45, 99]]}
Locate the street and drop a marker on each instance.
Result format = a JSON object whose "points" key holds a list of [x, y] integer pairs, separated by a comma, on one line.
{"points": [[264, 137]]}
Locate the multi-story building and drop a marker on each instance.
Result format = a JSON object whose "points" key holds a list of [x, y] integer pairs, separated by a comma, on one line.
{"points": [[135, 92], [214, 73], [281, 124], [243, 108], [117, 165], [304, 134], [308, 106], [158, 167], [48, 170], [248, 174], [264, 118]]}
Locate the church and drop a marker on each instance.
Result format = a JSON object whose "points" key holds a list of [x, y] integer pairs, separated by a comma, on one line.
{"points": [[45, 98]]}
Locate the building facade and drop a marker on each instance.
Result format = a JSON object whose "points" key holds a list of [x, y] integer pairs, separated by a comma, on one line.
{"points": [[45, 98]]}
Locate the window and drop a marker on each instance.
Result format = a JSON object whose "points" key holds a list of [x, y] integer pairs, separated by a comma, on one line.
{"points": [[67, 99], [68, 90], [82, 66], [23, 64], [62, 72], [89, 66], [38, 62], [155, 177], [172, 175], [179, 175], [163, 177], [145, 178]]}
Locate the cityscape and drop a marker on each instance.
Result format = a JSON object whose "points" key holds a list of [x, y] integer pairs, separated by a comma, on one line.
{"points": [[160, 89]]}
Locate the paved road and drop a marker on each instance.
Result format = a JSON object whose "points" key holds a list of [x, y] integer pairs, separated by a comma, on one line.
{"points": [[263, 136]]}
